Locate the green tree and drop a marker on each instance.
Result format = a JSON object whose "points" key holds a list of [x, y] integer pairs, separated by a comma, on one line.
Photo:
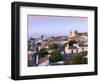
{"points": [[85, 61], [53, 46], [42, 53], [55, 56], [63, 46], [72, 42], [77, 59]]}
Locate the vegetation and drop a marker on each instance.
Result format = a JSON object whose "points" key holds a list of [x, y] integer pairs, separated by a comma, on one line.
{"points": [[65, 45], [85, 61], [42, 53], [53, 46], [72, 42], [55, 56], [29, 46], [79, 59]]}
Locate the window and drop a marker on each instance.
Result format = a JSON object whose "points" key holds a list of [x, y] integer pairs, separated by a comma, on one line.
{"points": [[71, 51], [76, 50], [82, 48]]}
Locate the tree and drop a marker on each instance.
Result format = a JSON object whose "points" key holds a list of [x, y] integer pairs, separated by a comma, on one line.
{"points": [[42, 53], [85, 61], [72, 42], [77, 59], [63, 46], [29, 46], [55, 56], [53, 46], [41, 36]]}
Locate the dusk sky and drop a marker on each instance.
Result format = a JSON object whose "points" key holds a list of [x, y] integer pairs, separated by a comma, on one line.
{"points": [[55, 25]]}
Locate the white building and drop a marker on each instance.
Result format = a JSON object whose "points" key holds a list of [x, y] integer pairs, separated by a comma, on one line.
{"points": [[76, 48], [71, 49]]}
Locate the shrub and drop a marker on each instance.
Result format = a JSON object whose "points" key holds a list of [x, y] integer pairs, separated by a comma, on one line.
{"points": [[55, 56]]}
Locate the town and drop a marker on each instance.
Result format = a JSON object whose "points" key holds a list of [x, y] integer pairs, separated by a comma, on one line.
{"points": [[71, 49]]}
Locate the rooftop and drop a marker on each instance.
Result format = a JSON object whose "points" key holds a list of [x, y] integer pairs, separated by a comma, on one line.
{"points": [[73, 47]]}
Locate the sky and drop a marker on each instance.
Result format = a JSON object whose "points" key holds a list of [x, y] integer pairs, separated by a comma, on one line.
{"points": [[55, 25]]}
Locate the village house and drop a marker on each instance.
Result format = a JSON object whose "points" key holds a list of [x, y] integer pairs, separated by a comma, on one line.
{"points": [[75, 48], [81, 38], [71, 49]]}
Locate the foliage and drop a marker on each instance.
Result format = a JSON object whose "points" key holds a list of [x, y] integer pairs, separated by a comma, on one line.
{"points": [[63, 46], [29, 46], [72, 42], [79, 59], [42, 53], [53, 46], [85, 61], [55, 56]]}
